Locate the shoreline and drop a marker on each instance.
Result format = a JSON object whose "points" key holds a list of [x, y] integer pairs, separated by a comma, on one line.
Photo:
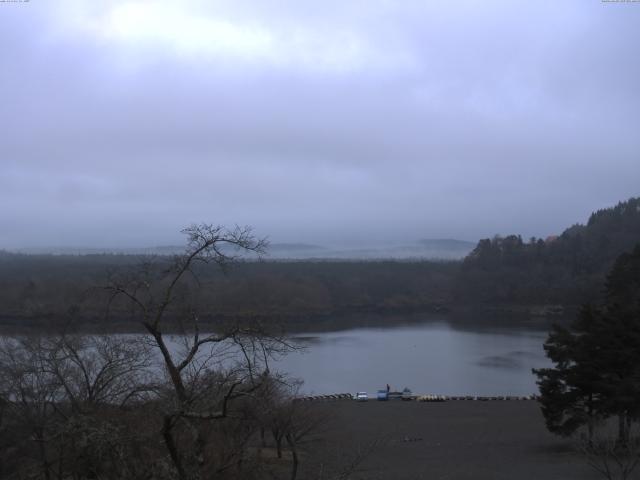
{"points": [[470, 316]]}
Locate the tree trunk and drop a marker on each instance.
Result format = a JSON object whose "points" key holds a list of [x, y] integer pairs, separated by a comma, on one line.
{"points": [[277, 437], [171, 446], [43, 454], [590, 420], [623, 431], [294, 456], [174, 373]]}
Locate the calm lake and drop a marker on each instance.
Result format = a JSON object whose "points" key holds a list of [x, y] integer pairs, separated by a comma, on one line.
{"points": [[435, 357], [430, 356]]}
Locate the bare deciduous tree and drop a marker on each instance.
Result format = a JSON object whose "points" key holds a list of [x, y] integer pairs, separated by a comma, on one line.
{"points": [[612, 459], [175, 402], [207, 372], [57, 390]]}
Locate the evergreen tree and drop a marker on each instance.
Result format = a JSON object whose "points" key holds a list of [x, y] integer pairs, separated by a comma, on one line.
{"points": [[597, 360], [569, 393], [620, 353]]}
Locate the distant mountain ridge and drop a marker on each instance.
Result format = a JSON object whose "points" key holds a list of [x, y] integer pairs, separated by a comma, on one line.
{"points": [[64, 250], [448, 243], [435, 249], [294, 246]]}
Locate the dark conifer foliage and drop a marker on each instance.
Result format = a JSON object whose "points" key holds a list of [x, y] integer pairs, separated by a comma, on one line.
{"points": [[569, 395], [566, 269], [597, 360]]}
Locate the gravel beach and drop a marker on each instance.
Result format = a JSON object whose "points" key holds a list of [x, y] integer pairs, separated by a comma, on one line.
{"points": [[449, 440]]}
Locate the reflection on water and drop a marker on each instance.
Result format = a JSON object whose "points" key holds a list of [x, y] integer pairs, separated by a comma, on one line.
{"points": [[500, 361], [428, 358], [434, 357], [311, 341]]}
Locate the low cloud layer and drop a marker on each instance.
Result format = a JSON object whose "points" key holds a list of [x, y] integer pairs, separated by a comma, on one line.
{"points": [[357, 122]]}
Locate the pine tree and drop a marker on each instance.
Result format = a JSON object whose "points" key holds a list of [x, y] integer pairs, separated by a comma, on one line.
{"points": [[620, 354], [597, 360], [569, 393]]}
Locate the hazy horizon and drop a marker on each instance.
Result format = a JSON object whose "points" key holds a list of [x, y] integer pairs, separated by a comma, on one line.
{"points": [[336, 123]]}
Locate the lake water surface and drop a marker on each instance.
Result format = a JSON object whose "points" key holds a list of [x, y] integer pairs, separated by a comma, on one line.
{"points": [[430, 357], [433, 357]]}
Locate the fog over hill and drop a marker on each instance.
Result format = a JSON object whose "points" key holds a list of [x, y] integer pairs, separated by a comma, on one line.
{"points": [[433, 249], [444, 249]]}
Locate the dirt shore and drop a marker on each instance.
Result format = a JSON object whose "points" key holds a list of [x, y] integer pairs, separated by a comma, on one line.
{"points": [[451, 440]]}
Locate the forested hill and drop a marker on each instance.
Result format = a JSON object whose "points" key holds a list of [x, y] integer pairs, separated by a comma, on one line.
{"points": [[561, 269], [37, 290]]}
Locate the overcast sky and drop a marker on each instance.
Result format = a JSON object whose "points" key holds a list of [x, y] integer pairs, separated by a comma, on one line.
{"points": [[321, 122]]}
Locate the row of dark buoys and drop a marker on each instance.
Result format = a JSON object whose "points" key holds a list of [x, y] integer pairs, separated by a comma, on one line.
{"points": [[326, 398], [485, 398], [421, 398], [431, 398], [442, 398]]}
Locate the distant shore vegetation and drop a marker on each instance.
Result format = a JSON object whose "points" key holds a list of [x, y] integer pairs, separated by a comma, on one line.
{"points": [[510, 274]]}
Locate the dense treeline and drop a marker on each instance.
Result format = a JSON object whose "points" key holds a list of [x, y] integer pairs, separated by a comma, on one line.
{"points": [[567, 270], [50, 289]]}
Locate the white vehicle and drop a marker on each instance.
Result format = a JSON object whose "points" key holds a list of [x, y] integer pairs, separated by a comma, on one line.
{"points": [[362, 397]]}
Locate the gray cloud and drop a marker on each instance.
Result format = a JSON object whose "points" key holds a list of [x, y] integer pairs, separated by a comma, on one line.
{"points": [[339, 122]]}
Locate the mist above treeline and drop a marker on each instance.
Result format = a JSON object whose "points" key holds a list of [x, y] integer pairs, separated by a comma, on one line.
{"points": [[423, 249], [531, 276]]}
